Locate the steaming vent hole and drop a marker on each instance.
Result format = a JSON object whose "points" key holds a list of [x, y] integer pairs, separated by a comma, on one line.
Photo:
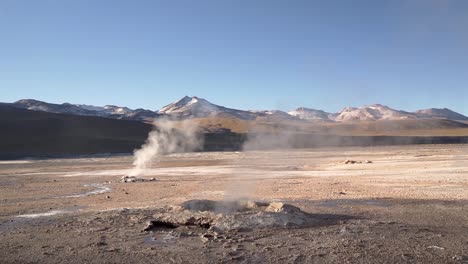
{"points": [[223, 206], [158, 225], [231, 215]]}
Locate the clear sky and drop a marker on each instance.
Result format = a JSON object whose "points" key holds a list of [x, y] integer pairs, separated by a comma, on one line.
{"points": [[246, 54]]}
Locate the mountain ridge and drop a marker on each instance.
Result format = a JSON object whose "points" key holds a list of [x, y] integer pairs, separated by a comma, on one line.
{"points": [[196, 107], [28, 133]]}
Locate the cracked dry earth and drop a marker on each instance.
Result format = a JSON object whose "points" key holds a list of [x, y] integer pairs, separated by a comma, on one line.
{"points": [[410, 205]]}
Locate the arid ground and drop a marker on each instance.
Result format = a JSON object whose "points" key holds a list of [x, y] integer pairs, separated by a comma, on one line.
{"points": [[398, 204]]}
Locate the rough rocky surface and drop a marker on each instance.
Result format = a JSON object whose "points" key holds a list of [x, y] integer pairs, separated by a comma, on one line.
{"points": [[222, 216], [408, 206]]}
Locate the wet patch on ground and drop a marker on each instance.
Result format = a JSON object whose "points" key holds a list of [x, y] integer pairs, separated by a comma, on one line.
{"points": [[67, 210], [98, 188]]}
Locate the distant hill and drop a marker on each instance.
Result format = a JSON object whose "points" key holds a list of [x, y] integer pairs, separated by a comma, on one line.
{"points": [[404, 127], [26, 133], [110, 111], [372, 113], [311, 114], [35, 133], [440, 113], [34, 128]]}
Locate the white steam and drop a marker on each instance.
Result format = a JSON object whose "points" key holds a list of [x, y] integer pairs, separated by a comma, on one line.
{"points": [[245, 177], [166, 137]]}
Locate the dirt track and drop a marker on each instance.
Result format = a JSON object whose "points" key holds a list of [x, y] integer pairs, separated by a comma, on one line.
{"points": [[409, 205]]}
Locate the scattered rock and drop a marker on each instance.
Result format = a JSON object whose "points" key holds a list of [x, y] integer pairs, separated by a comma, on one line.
{"points": [[436, 247], [351, 162], [107, 197], [111, 250], [345, 229], [356, 161], [460, 258], [101, 244], [206, 237], [282, 208], [131, 179]]}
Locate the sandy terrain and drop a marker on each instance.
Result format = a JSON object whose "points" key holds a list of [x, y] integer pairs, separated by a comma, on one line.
{"points": [[410, 204]]}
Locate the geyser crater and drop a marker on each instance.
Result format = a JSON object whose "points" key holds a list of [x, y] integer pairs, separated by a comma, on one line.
{"points": [[237, 215]]}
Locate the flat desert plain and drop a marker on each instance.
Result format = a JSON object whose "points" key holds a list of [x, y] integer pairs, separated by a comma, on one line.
{"points": [[396, 204]]}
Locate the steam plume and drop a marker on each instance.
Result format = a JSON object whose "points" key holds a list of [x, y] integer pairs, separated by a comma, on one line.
{"points": [[166, 137], [258, 146]]}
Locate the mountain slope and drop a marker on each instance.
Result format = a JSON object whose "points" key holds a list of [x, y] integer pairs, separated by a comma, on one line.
{"points": [[190, 107], [65, 108], [109, 111], [311, 114], [37, 133], [402, 127], [372, 113], [440, 113], [195, 107]]}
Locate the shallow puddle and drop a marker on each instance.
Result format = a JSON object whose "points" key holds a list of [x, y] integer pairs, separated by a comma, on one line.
{"points": [[53, 212], [98, 189]]}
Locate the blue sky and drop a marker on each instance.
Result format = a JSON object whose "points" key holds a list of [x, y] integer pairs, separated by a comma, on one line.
{"points": [[247, 54]]}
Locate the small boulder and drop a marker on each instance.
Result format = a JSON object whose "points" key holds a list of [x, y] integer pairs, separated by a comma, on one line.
{"points": [[131, 179], [352, 161], [278, 207]]}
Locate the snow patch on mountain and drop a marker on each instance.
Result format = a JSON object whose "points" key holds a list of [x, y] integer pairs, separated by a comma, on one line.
{"points": [[311, 114], [109, 111], [372, 113], [189, 107], [90, 107], [117, 110], [440, 113], [64, 108]]}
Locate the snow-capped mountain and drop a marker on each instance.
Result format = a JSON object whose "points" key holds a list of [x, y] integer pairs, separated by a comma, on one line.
{"points": [[109, 111], [278, 113], [372, 113], [64, 108], [193, 107], [364, 113], [117, 110], [90, 107], [311, 114], [440, 113], [272, 115], [189, 107], [137, 115]]}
